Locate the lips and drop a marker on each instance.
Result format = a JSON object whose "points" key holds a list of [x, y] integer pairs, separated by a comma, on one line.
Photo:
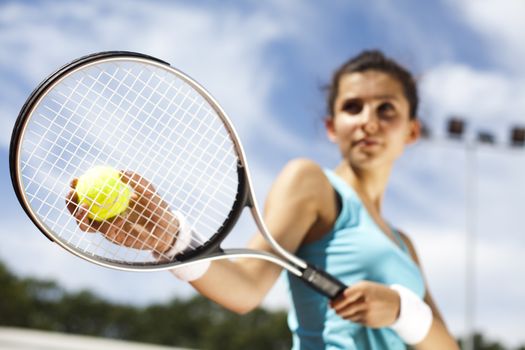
{"points": [[366, 142]]}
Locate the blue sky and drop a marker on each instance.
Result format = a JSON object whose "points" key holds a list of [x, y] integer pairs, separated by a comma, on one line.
{"points": [[266, 62]]}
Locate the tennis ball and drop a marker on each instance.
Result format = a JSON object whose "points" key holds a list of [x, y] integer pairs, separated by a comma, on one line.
{"points": [[103, 191]]}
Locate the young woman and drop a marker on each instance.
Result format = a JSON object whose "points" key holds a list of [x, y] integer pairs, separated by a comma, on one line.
{"points": [[331, 218]]}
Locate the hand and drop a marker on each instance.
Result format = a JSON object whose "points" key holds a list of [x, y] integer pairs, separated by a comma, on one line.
{"points": [[371, 304], [147, 224]]}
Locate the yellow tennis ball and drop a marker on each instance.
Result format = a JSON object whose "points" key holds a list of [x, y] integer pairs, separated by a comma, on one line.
{"points": [[103, 191]]}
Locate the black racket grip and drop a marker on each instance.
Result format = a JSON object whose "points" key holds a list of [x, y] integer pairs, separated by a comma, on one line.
{"points": [[323, 282]]}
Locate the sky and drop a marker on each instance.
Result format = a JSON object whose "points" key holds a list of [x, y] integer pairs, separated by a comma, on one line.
{"points": [[266, 63]]}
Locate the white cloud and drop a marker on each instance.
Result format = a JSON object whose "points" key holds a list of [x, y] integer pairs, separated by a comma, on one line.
{"points": [[497, 287], [488, 98], [502, 23], [428, 199], [202, 42], [228, 52], [28, 253]]}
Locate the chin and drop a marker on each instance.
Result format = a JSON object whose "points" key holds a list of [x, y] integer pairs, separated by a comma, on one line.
{"points": [[368, 162]]}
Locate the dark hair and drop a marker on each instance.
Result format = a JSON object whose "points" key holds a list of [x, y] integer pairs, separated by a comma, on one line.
{"points": [[375, 60]]}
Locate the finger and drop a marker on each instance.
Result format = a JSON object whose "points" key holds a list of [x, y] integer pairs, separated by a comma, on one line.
{"points": [[348, 304], [144, 239], [123, 232], [137, 237], [140, 198], [73, 183], [137, 183], [161, 221], [115, 234], [138, 212], [349, 296], [353, 311], [146, 207], [72, 202], [147, 193], [134, 196], [156, 238], [146, 212], [163, 240], [78, 212], [83, 220], [109, 226], [359, 317]]}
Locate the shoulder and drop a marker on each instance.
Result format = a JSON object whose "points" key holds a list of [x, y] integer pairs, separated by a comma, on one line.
{"points": [[302, 181], [302, 167], [309, 185], [304, 174]]}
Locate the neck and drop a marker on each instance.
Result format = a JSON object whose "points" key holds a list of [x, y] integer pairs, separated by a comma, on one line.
{"points": [[369, 184]]}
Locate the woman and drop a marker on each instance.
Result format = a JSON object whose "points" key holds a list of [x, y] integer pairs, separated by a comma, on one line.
{"points": [[331, 218]]}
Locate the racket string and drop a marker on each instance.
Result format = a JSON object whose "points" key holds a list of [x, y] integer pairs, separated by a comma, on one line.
{"points": [[184, 151], [73, 113], [91, 105], [205, 150], [39, 146], [204, 197], [143, 125]]}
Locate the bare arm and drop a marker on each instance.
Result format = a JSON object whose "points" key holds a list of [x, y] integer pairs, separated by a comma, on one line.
{"points": [[438, 337], [298, 198]]}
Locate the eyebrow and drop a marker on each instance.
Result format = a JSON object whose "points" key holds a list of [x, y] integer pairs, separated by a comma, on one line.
{"points": [[375, 97], [386, 97]]}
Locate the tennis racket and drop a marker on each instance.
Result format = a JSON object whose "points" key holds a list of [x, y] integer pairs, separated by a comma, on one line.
{"points": [[132, 111]]}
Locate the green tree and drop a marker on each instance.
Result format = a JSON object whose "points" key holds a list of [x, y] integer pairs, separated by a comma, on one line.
{"points": [[480, 343], [195, 323]]}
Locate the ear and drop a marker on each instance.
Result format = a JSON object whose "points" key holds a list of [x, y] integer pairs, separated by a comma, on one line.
{"points": [[414, 131], [330, 128]]}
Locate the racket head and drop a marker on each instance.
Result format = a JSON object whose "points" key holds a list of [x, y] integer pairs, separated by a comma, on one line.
{"points": [[128, 111]]}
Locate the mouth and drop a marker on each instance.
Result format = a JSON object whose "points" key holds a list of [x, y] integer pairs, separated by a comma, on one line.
{"points": [[366, 142]]}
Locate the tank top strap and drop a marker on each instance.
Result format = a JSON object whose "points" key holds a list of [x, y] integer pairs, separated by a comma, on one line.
{"points": [[350, 202]]}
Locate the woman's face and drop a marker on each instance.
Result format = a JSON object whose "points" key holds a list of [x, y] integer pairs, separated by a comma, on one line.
{"points": [[371, 122]]}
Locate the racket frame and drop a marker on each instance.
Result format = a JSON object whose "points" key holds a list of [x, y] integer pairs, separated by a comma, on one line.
{"points": [[211, 250]]}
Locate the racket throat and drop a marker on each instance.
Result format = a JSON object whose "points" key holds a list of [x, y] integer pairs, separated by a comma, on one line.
{"points": [[322, 282]]}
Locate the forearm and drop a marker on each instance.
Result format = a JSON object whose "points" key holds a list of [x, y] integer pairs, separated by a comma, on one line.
{"points": [[292, 208], [240, 285], [438, 338], [419, 323]]}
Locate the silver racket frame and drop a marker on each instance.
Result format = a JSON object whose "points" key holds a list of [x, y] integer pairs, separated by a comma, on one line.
{"points": [[251, 203], [291, 263]]}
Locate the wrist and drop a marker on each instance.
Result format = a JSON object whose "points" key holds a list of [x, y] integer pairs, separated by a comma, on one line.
{"points": [[414, 317], [191, 271], [181, 241]]}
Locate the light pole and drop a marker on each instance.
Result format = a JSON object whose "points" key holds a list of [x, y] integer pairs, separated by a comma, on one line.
{"points": [[455, 131]]}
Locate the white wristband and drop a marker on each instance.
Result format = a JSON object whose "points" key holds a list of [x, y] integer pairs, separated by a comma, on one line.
{"points": [[184, 237], [415, 316], [191, 272]]}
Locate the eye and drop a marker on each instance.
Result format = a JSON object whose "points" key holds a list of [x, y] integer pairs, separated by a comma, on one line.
{"points": [[352, 106], [386, 110]]}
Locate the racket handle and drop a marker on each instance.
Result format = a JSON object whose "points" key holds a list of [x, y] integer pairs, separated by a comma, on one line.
{"points": [[323, 282]]}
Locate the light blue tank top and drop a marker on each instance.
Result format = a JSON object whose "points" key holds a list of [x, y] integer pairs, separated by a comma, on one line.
{"points": [[355, 250]]}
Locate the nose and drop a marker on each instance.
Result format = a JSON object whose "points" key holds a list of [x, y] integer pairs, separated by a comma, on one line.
{"points": [[370, 120]]}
